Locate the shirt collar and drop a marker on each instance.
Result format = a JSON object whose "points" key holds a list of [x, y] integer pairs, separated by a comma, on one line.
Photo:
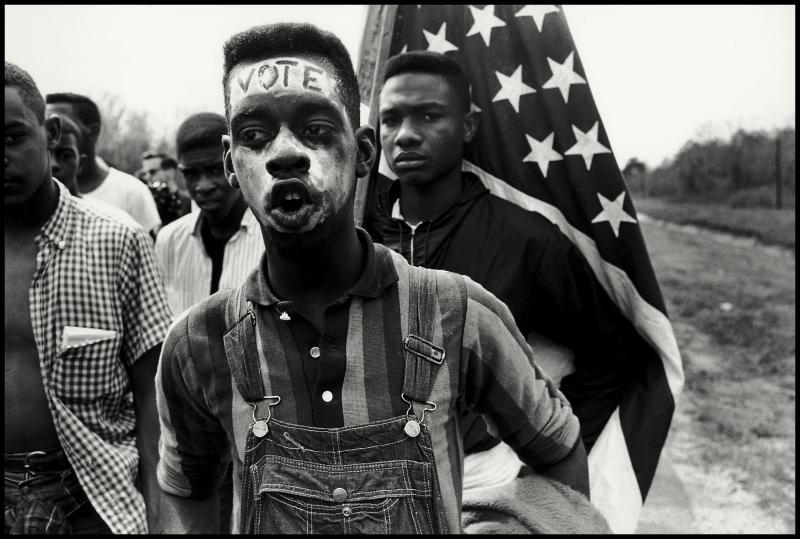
{"points": [[378, 274], [248, 223], [57, 228]]}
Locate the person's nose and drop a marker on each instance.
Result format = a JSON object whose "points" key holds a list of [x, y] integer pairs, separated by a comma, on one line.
{"points": [[407, 135], [204, 185], [287, 156]]}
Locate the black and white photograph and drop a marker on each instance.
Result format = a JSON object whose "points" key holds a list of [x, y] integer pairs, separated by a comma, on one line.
{"points": [[416, 269]]}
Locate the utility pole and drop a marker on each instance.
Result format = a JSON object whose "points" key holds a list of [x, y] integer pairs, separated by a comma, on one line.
{"points": [[778, 186]]}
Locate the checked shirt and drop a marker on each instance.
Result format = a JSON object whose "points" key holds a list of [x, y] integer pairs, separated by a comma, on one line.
{"points": [[96, 273]]}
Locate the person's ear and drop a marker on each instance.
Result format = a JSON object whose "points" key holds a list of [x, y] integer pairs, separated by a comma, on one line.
{"points": [[471, 122], [366, 150], [82, 160], [52, 125], [227, 162]]}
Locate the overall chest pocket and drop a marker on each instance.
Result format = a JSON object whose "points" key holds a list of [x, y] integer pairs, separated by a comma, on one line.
{"points": [[86, 373], [294, 496]]}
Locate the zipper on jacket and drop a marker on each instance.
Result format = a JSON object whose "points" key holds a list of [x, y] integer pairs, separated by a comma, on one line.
{"points": [[411, 241]]}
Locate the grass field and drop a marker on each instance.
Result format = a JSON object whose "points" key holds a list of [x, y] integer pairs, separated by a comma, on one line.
{"points": [[770, 226], [733, 308]]}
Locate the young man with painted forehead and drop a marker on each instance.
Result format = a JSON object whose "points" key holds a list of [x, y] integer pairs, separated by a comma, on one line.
{"points": [[331, 377]]}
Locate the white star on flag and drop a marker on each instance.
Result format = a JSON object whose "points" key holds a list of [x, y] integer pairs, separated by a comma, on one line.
{"points": [[537, 13], [437, 41], [542, 152], [512, 88], [613, 213], [563, 76], [485, 20], [586, 144]]}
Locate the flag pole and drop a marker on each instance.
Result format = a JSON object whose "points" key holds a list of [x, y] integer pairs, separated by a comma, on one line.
{"points": [[375, 43]]}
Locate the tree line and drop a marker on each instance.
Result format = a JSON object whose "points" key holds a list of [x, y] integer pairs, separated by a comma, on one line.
{"points": [[742, 171]]}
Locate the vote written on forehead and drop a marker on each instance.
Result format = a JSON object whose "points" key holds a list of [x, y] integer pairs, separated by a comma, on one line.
{"points": [[289, 73]]}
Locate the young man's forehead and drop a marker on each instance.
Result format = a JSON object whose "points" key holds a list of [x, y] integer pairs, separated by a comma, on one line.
{"points": [[276, 74]]}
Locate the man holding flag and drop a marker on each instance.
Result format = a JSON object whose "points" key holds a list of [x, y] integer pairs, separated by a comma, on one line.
{"points": [[536, 212]]}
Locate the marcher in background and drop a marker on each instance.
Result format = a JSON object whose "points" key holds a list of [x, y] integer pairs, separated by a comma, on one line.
{"points": [[218, 246], [66, 161], [96, 178], [331, 377], [172, 203], [438, 216], [85, 316], [151, 165]]}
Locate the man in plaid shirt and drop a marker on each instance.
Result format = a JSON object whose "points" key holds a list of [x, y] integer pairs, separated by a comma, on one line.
{"points": [[85, 315]]}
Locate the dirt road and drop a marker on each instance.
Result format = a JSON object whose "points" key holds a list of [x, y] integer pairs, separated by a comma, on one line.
{"points": [[729, 462]]}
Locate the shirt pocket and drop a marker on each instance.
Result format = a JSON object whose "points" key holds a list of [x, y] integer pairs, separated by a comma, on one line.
{"points": [[86, 373]]}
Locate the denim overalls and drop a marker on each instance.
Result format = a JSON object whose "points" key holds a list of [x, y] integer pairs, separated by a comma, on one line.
{"points": [[374, 478]]}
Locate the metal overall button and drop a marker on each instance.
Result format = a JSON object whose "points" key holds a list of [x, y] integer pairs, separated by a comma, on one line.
{"points": [[259, 426], [339, 494], [346, 511], [412, 428]]}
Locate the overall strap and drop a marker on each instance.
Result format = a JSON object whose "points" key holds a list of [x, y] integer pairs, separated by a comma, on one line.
{"points": [[422, 357], [240, 347]]}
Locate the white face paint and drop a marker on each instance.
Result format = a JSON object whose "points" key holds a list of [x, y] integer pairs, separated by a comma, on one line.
{"points": [[292, 145], [278, 74]]}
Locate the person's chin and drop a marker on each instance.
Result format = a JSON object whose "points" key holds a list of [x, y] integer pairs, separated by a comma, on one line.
{"points": [[415, 177]]}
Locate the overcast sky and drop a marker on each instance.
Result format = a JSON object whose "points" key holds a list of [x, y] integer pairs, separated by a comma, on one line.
{"points": [[659, 74]]}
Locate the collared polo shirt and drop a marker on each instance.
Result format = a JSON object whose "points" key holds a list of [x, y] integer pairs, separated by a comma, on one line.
{"points": [[186, 267], [356, 377], [96, 279]]}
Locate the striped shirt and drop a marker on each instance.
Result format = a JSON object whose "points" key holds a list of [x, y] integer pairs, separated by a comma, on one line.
{"points": [[186, 267], [97, 305], [358, 361]]}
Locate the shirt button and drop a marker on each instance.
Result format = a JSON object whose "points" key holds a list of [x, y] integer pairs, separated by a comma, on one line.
{"points": [[62, 244], [314, 351], [327, 396], [339, 494]]}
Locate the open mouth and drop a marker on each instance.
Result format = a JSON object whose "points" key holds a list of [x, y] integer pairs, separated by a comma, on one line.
{"points": [[290, 195], [291, 203]]}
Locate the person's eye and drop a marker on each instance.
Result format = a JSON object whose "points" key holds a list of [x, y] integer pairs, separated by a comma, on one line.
{"points": [[253, 137], [190, 174], [215, 170], [318, 130], [431, 116], [389, 121], [13, 137]]}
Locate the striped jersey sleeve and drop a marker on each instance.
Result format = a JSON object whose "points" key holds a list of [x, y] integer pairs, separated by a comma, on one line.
{"points": [[194, 451], [500, 380]]}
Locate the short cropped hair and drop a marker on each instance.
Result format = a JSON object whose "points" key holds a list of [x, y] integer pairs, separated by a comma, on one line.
{"points": [[168, 163], [85, 109], [18, 78], [294, 38], [434, 63], [199, 131]]}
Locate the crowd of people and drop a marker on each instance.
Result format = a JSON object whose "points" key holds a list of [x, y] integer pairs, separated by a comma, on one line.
{"points": [[215, 346]]}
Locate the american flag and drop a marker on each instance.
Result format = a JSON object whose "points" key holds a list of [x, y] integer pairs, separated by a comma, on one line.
{"points": [[542, 145]]}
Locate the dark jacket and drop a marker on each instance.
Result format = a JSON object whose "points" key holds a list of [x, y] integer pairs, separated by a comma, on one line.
{"points": [[524, 260]]}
